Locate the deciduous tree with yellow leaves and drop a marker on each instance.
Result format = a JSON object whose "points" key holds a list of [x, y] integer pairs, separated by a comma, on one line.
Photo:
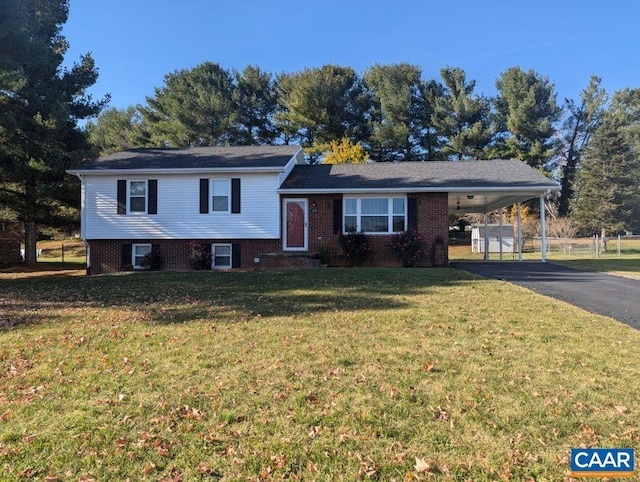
{"points": [[346, 152]]}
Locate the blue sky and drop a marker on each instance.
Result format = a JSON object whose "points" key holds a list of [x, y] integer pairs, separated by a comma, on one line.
{"points": [[135, 43]]}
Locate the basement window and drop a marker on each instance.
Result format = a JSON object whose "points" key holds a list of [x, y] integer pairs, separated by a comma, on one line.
{"points": [[139, 251]]}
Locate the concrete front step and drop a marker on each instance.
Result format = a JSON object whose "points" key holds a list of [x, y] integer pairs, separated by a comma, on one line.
{"points": [[288, 260]]}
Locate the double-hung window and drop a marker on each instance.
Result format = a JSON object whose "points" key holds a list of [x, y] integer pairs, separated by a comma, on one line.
{"points": [[220, 196], [138, 252], [138, 196], [375, 214], [220, 193]]}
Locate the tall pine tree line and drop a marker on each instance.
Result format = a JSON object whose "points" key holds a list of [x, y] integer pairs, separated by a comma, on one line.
{"points": [[390, 109]]}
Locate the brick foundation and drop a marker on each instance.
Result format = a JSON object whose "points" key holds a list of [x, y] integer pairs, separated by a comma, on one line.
{"points": [[106, 254], [288, 261]]}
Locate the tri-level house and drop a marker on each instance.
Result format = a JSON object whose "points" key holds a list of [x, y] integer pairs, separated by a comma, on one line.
{"points": [[262, 206]]}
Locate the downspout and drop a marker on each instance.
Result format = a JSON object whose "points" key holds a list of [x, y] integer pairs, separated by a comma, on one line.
{"points": [[82, 222]]}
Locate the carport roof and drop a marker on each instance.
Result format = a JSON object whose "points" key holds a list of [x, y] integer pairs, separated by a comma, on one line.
{"points": [[473, 186]]}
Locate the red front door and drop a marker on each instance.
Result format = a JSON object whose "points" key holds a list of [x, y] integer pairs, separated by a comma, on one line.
{"points": [[295, 224]]}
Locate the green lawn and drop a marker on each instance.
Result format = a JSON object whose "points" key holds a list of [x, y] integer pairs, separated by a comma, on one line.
{"points": [[627, 265], [334, 374]]}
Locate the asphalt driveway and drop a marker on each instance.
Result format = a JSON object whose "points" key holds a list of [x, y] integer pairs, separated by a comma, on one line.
{"points": [[598, 293]]}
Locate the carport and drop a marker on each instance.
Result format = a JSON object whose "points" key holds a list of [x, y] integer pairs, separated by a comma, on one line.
{"points": [[491, 191]]}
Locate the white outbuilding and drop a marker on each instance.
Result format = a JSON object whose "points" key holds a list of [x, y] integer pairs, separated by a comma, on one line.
{"points": [[501, 238]]}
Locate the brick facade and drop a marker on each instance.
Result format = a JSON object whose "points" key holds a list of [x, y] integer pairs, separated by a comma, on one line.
{"points": [[432, 222]]}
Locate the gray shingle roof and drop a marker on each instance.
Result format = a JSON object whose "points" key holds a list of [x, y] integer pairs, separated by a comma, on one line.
{"points": [[508, 174], [244, 157]]}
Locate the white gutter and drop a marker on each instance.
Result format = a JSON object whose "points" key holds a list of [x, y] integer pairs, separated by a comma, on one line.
{"points": [[181, 170], [523, 190]]}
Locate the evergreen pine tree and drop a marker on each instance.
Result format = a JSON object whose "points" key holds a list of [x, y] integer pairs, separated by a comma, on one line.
{"points": [[40, 105]]}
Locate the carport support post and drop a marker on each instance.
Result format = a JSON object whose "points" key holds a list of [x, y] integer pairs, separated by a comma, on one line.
{"points": [[543, 230], [519, 231], [486, 236], [500, 235]]}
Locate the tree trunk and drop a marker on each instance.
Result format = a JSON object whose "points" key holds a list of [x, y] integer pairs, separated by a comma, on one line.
{"points": [[568, 178], [30, 238]]}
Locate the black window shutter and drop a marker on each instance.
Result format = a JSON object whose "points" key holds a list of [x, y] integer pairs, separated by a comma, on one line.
{"points": [[207, 248], [126, 255], [153, 196], [204, 196], [412, 213], [235, 255], [235, 195], [337, 215], [122, 196]]}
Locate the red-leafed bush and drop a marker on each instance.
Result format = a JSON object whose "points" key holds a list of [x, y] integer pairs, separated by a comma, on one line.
{"points": [[355, 246], [409, 247]]}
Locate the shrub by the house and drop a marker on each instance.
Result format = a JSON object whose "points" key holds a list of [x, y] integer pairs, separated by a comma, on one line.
{"points": [[409, 247], [152, 260], [355, 246], [199, 256]]}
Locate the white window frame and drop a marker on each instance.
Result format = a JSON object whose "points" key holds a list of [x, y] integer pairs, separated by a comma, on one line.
{"points": [[133, 253], [212, 193], [213, 255], [146, 196], [390, 214]]}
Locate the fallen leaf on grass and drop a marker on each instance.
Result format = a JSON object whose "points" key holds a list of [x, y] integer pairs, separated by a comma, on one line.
{"points": [[422, 465], [26, 473], [148, 468]]}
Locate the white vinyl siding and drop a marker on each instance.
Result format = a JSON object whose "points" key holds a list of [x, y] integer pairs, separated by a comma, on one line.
{"points": [[179, 210], [375, 215]]}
